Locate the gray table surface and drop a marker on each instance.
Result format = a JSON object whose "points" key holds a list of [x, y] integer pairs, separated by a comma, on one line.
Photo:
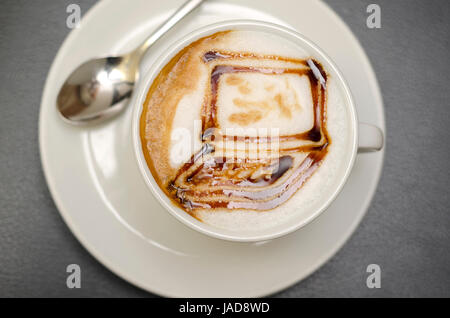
{"points": [[406, 230]]}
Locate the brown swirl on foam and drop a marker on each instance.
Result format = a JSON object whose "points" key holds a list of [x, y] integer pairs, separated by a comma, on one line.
{"points": [[209, 181]]}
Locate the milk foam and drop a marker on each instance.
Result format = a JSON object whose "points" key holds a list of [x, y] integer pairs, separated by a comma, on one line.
{"points": [[258, 43], [262, 94], [313, 191], [245, 97]]}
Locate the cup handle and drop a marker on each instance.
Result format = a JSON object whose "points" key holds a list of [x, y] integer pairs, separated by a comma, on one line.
{"points": [[370, 139]]}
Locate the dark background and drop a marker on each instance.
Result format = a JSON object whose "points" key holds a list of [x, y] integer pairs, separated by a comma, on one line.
{"points": [[406, 231]]}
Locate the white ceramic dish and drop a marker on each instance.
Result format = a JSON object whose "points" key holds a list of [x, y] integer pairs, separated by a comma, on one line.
{"points": [[95, 182]]}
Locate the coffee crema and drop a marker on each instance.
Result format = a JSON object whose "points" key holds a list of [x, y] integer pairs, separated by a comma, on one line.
{"points": [[222, 89]]}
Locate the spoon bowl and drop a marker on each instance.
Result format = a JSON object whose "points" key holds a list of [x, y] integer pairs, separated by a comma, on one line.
{"points": [[98, 89]]}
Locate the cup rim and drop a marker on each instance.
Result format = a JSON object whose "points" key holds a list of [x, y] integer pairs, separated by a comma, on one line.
{"points": [[157, 192]]}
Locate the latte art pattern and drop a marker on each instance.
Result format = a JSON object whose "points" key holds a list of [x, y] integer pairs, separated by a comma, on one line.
{"points": [[217, 183], [238, 95]]}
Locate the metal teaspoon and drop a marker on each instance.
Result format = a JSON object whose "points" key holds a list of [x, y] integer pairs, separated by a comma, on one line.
{"points": [[101, 88]]}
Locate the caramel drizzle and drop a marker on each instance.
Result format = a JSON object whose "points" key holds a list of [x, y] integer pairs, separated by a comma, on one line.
{"points": [[185, 187]]}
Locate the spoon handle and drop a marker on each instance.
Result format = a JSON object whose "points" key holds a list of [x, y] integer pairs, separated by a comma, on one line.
{"points": [[185, 9]]}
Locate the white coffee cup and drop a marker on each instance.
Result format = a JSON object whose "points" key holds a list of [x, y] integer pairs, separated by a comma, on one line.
{"points": [[364, 137]]}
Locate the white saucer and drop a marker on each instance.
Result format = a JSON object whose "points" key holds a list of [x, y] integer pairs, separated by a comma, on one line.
{"points": [[95, 182]]}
